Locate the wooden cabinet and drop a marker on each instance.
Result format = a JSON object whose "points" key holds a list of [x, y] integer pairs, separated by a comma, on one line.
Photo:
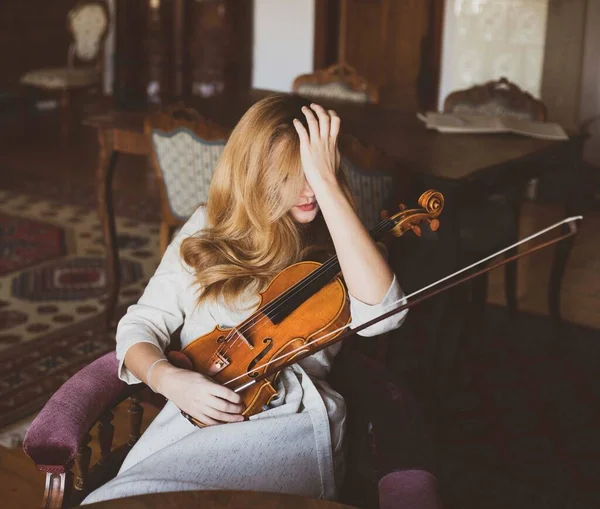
{"points": [[176, 48], [394, 44]]}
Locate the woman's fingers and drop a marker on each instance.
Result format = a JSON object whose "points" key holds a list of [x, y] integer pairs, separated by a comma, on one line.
{"points": [[219, 416], [313, 125], [225, 406], [323, 117], [225, 393], [335, 124], [302, 134], [205, 419], [221, 410]]}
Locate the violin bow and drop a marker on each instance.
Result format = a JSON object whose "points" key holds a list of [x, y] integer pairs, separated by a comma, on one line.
{"points": [[299, 354]]}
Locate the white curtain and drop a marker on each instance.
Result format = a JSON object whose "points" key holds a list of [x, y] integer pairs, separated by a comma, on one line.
{"points": [[488, 39]]}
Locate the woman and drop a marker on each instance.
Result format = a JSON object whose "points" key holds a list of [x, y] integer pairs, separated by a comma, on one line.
{"points": [[276, 190]]}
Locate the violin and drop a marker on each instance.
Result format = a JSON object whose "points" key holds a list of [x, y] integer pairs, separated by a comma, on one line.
{"points": [[306, 309], [306, 306]]}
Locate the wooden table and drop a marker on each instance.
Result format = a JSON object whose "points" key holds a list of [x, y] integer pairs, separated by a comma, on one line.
{"points": [[460, 166], [218, 500]]}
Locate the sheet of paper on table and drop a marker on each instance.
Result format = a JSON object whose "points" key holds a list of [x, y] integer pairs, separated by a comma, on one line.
{"points": [[466, 123]]}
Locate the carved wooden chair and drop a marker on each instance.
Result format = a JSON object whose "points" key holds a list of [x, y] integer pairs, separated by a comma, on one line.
{"points": [[339, 82], [87, 23], [373, 179], [58, 438], [502, 210], [185, 152], [499, 98]]}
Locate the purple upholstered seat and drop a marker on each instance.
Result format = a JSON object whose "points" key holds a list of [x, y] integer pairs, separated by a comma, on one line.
{"points": [[56, 434], [408, 489]]}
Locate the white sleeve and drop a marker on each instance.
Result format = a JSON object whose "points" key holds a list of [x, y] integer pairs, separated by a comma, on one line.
{"points": [[159, 311], [362, 313]]}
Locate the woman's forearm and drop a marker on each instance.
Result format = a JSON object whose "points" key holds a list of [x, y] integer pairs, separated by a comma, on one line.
{"points": [[140, 357], [366, 272]]}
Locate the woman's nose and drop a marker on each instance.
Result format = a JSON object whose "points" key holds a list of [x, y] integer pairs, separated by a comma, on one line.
{"points": [[307, 190]]}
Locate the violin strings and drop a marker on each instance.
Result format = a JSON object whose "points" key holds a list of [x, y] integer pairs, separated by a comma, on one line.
{"points": [[405, 298], [280, 301]]}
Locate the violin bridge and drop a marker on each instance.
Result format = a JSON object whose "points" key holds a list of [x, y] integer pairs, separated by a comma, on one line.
{"points": [[218, 363]]}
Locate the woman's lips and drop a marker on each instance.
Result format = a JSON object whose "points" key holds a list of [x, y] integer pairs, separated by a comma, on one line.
{"points": [[307, 207]]}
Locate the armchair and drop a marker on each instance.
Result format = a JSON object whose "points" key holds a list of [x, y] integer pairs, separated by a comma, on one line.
{"points": [[58, 439]]}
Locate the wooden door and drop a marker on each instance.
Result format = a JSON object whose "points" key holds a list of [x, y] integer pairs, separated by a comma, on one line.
{"points": [[394, 44]]}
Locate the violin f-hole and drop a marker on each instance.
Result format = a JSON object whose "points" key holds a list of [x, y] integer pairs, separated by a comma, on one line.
{"points": [[265, 351]]}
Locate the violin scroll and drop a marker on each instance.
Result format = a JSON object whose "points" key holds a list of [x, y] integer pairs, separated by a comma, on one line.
{"points": [[431, 203]]}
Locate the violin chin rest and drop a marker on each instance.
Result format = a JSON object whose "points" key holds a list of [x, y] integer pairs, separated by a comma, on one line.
{"points": [[180, 360]]}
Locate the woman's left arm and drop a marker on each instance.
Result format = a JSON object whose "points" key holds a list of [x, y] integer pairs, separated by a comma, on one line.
{"points": [[366, 272]]}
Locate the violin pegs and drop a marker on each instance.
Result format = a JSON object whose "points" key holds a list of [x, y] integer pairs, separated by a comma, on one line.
{"points": [[402, 207], [434, 224], [416, 230], [384, 214]]}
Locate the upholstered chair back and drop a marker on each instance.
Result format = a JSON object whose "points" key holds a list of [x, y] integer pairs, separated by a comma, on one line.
{"points": [[88, 24], [372, 190], [496, 98], [339, 82], [185, 150], [337, 90], [186, 163], [376, 180]]}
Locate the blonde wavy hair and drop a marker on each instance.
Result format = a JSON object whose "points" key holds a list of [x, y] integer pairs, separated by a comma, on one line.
{"points": [[250, 234]]}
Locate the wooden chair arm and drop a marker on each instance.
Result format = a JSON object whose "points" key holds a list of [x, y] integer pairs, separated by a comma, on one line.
{"points": [[59, 436], [57, 433]]}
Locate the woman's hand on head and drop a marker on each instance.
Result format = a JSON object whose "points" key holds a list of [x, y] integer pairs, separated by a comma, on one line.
{"points": [[318, 146], [200, 397]]}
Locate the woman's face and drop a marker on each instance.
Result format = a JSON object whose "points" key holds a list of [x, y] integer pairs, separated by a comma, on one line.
{"points": [[306, 207]]}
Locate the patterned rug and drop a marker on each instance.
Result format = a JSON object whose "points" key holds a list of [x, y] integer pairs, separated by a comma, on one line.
{"points": [[52, 295]]}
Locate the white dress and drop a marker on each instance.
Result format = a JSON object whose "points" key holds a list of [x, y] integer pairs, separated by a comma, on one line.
{"points": [[295, 446]]}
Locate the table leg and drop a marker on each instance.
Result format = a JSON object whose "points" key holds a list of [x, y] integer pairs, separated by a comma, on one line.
{"points": [[563, 248], [561, 256], [107, 162]]}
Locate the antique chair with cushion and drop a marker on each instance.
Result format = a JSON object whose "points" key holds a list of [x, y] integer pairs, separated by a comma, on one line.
{"points": [[87, 23], [185, 152], [339, 82], [493, 223], [58, 438], [376, 180]]}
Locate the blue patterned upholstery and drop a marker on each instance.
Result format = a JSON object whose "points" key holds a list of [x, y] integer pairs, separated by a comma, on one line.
{"points": [[187, 163], [372, 191]]}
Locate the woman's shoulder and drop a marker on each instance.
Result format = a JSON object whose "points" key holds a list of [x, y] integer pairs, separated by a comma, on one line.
{"points": [[196, 222]]}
